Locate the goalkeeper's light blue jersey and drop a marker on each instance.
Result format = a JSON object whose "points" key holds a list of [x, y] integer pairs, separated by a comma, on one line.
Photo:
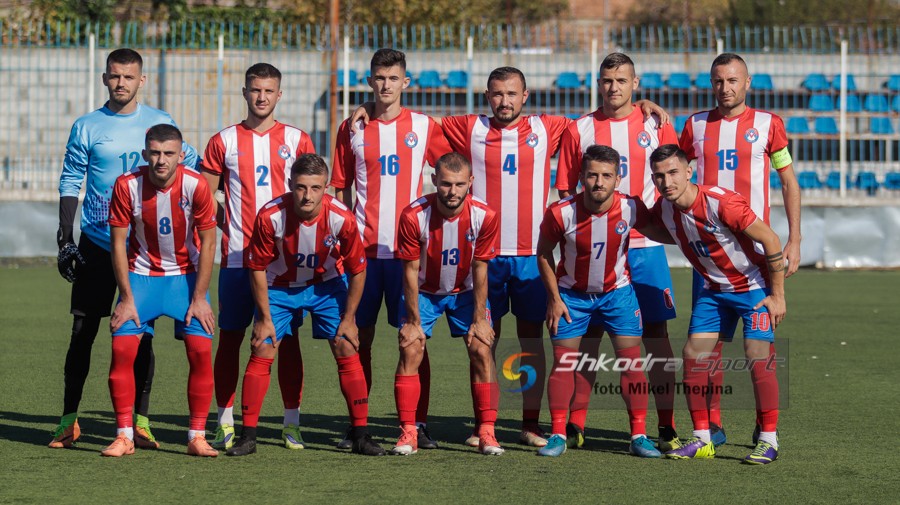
{"points": [[104, 145]]}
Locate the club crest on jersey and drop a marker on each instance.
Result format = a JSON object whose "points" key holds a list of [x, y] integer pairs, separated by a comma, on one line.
{"points": [[621, 227], [411, 140], [710, 227], [643, 139], [531, 140], [184, 203], [329, 240], [751, 135], [284, 151], [470, 236]]}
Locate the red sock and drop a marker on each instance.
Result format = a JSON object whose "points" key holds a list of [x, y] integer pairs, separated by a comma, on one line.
{"points": [[227, 366], [365, 359], [771, 353], [253, 391], [578, 408], [716, 378], [353, 386], [290, 372], [765, 388], [200, 379], [406, 394], [560, 388], [663, 383], [696, 383], [424, 389], [634, 391], [486, 398], [121, 377]]}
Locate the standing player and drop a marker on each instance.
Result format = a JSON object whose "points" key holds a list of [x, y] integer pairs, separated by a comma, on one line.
{"points": [[735, 146], [719, 233], [252, 160], [303, 242], [445, 241], [162, 268], [592, 287], [102, 146], [385, 159], [622, 126]]}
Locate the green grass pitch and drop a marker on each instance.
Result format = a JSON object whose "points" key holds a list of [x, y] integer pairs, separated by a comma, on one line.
{"points": [[836, 435]]}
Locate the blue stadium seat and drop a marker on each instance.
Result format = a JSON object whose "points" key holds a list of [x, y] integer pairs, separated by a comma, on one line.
{"points": [[867, 182], [895, 104], [893, 83], [430, 79], [351, 81], [651, 80], [568, 80], [851, 82], [833, 180], [762, 82], [892, 181], [457, 79], [853, 104], [797, 125], [821, 103], [826, 126], [587, 79], [881, 126], [680, 121], [774, 180], [702, 81], [815, 82], [365, 77], [876, 103], [679, 80], [809, 180], [412, 79], [573, 115]]}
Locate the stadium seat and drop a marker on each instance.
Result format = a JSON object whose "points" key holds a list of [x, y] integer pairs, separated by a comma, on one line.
{"points": [[573, 115], [774, 180], [815, 82], [826, 126], [588, 79], [833, 180], [821, 103], [876, 103], [679, 80], [429, 79], [851, 82], [809, 180], [881, 126], [892, 181], [895, 104], [866, 181], [365, 77], [351, 80], [568, 80], [853, 104], [680, 121], [893, 83], [457, 79], [651, 80], [762, 82], [797, 125], [702, 81]]}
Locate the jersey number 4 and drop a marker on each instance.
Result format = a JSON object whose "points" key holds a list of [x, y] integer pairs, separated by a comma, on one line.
{"points": [[509, 164]]}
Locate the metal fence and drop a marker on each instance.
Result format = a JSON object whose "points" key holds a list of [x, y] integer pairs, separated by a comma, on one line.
{"points": [[50, 75]]}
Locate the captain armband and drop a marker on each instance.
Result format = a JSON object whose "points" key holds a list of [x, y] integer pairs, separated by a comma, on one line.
{"points": [[781, 159]]}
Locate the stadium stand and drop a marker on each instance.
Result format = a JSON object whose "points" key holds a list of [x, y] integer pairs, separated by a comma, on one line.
{"points": [[797, 125], [568, 80]]}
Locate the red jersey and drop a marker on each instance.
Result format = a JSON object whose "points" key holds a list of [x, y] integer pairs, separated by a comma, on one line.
{"points": [[593, 247], [256, 167], [633, 138], [710, 234], [297, 253], [734, 153], [446, 247], [512, 171], [163, 240], [386, 161]]}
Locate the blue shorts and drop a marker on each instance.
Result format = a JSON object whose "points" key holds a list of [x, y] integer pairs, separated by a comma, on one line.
{"points": [[459, 309], [384, 279], [168, 295], [236, 305], [616, 311], [325, 302], [652, 283], [516, 279], [716, 312], [696, 286]]}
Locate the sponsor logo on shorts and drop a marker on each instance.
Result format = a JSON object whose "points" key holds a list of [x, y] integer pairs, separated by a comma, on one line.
{"points": [[643, 139], [284, 151], [751, 135], [411, 140], [531, 140], [667, 298]]}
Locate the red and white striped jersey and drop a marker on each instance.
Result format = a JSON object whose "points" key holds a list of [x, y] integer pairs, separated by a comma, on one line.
{"points": [[593, 247], [710, 234], [163, 240], [256, 167], [446, 247], [386, 160], [512, 171], [733, 153], [634, 140], [297, 253]]}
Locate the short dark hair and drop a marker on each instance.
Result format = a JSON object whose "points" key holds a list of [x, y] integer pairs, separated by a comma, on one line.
{"points": [[616, 60], [600, 154], [309, 164], [261, 71], [163, 133], [504, 73], [725, 59], [454, 162], [124, 56], [386, 58], [666, 151]]}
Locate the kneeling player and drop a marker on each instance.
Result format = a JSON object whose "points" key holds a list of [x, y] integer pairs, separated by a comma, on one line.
{"points": [[302, 244], [445, 240], [592, 288], [718, 232], [163, 270]]}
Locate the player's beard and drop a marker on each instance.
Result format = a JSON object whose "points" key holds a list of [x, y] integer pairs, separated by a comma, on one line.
{"points": [[598, 199], [507, 116], [451, 205], [122, 100]]}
